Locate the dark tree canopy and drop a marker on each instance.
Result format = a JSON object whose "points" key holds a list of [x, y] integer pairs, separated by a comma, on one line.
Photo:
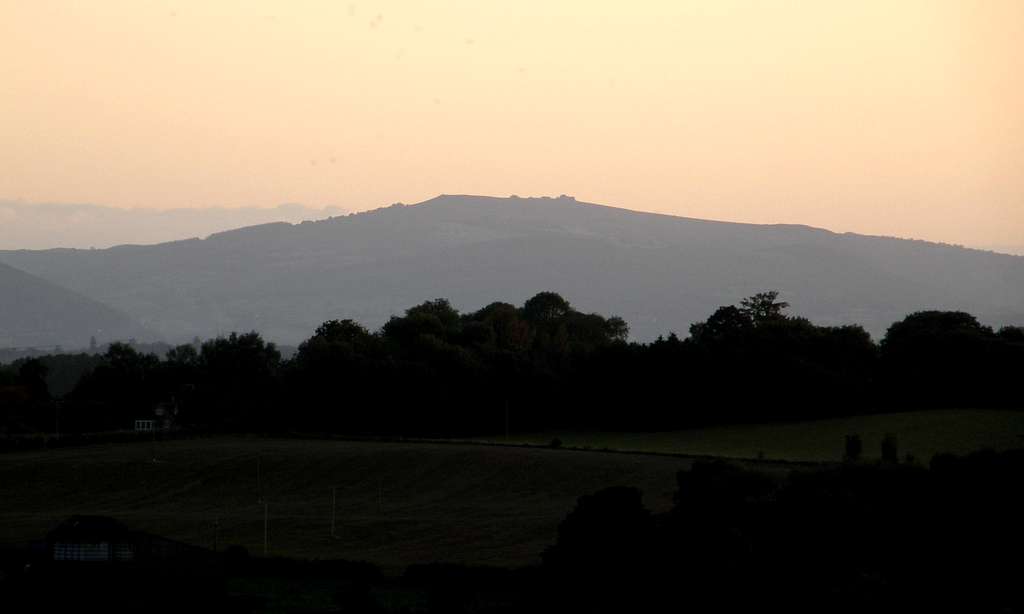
{"points": [[541, 366], [341, 331], [763, 307], [546, 307], [947, 359], [726, 323]]}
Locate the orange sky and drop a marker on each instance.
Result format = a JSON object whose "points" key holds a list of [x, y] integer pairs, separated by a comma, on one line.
{"points": [[889, 117]]}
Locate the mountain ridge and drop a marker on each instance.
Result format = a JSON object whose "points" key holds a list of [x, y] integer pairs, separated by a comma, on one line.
{"points": [[660, 272], [447, 198]]}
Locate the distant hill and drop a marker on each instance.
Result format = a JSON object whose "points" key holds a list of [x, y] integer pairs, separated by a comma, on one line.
{"points": [[37, 313], [659, 272]]}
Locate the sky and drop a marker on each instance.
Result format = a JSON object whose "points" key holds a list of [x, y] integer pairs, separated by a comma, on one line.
{"points": [[46, 225], [893, 117]]}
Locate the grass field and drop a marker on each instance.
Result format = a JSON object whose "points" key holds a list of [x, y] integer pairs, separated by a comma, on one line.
{"points": [[921, 434], [396, 503], [404, 503]]}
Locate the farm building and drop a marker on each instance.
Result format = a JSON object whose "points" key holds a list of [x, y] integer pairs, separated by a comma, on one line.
{"points": [[96, 563], [163, 418], [90, 538], [101, 539]]}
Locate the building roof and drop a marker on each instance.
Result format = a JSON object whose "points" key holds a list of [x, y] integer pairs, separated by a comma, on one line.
{"points": [[82, 528]]}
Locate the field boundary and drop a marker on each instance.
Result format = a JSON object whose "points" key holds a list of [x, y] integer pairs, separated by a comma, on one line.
{"points": [[37, 443]]}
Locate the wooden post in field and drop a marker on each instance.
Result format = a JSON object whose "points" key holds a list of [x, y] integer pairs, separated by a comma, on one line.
{"points": [[153, 443], [334, 507], [380, 495], [266, 525], [259, 486], [506, 420]]}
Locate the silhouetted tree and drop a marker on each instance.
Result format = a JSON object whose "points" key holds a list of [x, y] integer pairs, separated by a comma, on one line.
{"points": [[725, 324], [602, 558], [939, 358], [237, 386], [32, 374], [1012, 334], [546, 307], [763, 307], [853, 448]]}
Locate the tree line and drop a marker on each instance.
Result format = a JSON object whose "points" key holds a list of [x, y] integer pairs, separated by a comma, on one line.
{"points": [[434, 371], [856, 537]]}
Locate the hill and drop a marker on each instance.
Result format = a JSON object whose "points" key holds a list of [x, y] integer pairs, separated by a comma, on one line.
{"points": [[37, 313], [659, 272]]}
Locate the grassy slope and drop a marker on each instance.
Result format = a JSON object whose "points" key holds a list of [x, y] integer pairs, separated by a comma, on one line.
{"points": [[441, 502], [473, 504], [922, 434]]}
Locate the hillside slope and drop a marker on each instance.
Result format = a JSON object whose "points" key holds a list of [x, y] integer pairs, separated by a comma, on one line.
{"points": [[659, 272], [37, 313]]}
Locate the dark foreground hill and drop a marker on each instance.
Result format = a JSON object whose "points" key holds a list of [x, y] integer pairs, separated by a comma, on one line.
{"points": [[659, 272], [35, 312]]}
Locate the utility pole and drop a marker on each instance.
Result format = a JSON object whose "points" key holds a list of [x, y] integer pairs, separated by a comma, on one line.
{"points": [[334, 507], [266, 525], [380, 495], [152, 445], [216, 534]]}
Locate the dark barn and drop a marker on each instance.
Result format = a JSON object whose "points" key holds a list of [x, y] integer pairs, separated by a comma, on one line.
{"points": [[103, 539], [98, 562]]}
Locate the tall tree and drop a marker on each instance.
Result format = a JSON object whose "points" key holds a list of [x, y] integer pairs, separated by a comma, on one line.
{"points": [[763, 307]]}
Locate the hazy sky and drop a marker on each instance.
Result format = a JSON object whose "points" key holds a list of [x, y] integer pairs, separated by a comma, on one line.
{"points": [[892, 117]]}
